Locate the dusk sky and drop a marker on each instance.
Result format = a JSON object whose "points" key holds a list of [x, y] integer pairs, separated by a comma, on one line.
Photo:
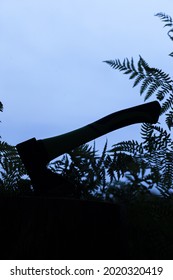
{"points": [[52, 75]]}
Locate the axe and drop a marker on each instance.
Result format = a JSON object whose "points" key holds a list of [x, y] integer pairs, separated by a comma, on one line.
{"points": [[36, 154]]}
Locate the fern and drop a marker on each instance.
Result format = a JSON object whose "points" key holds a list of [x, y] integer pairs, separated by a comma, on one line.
{"points": [[169, 119], [167, 104], [131, 147], [130, 167], [84, 168], [152, 78], [169, 23], [1, 107], [143, 165], [165, 18], [153, 81], [11, 168], [148, 164]]}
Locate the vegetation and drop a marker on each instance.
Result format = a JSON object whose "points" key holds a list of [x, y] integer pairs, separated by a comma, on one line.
{"points": [[131, 169], [12, 170], [128, 171]]}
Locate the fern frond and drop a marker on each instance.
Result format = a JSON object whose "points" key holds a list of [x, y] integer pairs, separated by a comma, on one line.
{"points": [[162, 93], [126, 66], [169, 119], [1, 106], [167, 175], [155, 138], [165, 18], [161, 75], [152, 89], [139, 78], [11, 167], [167, 104], [142, 64], [131, 147], [170, 34], [169, 23], [147, 81], [156, 81], [146, 131], [116, 64], [103, 156]]}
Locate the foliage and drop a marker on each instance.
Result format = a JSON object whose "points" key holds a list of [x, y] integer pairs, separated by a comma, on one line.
{"points": [[152, 160], [1, 106], [152, 80], [169, 23], [139, 167], [85, 169], [12, 171]]}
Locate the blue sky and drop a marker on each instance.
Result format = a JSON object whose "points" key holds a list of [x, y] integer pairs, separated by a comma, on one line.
{"points": [[52, 78]]}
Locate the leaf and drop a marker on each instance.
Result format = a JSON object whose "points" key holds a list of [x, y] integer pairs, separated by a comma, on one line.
{"points": [[138, 80], [170, 34], [167, 104], [152, 88], [165, 18], [133, 75], [168, 24], [1, 106], [145, 84]]}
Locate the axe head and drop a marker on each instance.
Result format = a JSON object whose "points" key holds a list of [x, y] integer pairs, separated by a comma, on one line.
{"points": [[35, 160]]}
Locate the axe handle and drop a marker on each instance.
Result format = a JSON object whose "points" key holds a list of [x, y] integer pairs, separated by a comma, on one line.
{"points": [[58, 145]]}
